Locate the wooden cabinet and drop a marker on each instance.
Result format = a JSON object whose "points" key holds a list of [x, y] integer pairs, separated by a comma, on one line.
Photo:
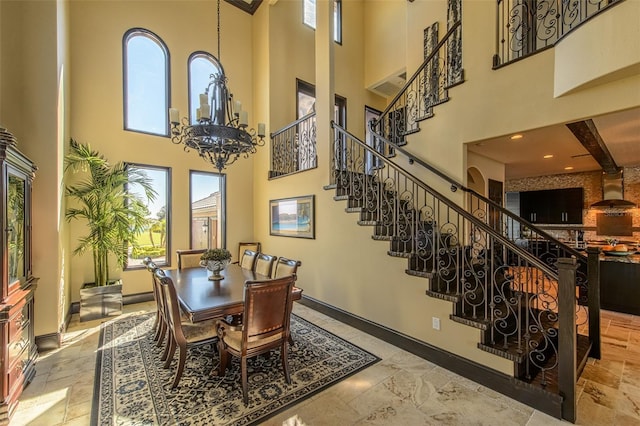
{"points": [[552, 206], [18, 351]]}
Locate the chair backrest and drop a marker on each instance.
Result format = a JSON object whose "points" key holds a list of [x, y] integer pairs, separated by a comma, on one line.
{"points": [[152, 267], [189, 258], [285, 267], [170, 300], [264, 264], [253, 246], [267, 309], [248, 259]]}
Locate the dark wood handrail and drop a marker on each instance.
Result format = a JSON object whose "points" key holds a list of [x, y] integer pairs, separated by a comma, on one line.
{"points": [[290, 125]]}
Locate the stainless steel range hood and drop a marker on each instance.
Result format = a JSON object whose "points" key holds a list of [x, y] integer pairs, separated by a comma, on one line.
{"points": [[613, 193]]}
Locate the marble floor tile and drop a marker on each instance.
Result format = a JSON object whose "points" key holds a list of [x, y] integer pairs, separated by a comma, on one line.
{"points": [[401, 389]]}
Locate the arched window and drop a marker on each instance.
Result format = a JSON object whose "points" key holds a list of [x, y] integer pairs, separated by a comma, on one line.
{"points": [[146, 82], [201, 66]]}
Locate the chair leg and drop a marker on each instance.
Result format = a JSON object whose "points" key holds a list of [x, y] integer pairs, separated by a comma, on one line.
{"points": [[156, 327], [181, 361], [165, 353], [245, 383], [224, 359], [172, 351], [161, 332], [284, 354]]}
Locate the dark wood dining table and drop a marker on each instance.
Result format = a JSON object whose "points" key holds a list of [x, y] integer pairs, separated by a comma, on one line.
{"points": [[202, 299]]}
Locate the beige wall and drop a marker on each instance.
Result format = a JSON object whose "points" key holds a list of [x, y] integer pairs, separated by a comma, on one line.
{"points": [[33, 57], [96, 30]]}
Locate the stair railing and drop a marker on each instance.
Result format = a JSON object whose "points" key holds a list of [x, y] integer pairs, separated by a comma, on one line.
{"points": [[293, 148], [497, 285], [427, 87], [526, 27]]}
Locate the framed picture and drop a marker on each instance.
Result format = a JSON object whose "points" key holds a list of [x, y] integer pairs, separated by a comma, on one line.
{"points": [[293, 217]]}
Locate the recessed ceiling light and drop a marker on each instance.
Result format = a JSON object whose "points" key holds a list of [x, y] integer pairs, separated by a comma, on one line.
{"points": [[548, 156], [518, 136], [569, 168]]}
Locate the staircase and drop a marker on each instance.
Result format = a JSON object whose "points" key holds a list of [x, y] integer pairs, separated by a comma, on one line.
{"points": [[470, 258]]}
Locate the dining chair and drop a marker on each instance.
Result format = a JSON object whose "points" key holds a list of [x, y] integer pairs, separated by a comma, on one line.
{"points": [[248, 259], [182, 333], [264, 264], [189, 258], [160, 324], [285, 267], [253, 246], [265, 326]]}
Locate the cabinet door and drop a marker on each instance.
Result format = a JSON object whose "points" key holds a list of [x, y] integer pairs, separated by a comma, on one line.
{"points": [[566, 206], [534, 207]]}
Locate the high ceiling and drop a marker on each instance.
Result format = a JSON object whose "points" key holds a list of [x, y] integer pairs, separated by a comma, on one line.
{"points": [[525, 157]]}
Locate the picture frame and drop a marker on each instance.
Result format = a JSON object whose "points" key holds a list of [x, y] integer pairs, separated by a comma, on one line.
{"points": [[293, 217]]}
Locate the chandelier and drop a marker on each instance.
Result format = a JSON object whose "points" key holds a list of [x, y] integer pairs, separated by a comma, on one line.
{"points": [[221, 133]]}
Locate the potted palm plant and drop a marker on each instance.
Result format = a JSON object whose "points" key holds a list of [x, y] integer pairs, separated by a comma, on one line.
{"points": [[114, 217]]}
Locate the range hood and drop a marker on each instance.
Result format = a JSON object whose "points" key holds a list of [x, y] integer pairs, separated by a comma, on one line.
{"points": [[613, 193]]}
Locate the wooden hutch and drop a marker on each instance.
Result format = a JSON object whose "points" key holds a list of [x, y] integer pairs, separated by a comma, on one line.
{"points": [[18, 351]]}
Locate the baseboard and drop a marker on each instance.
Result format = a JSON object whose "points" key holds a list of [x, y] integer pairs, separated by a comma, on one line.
{"points": [[534, 397], [46, 342]]}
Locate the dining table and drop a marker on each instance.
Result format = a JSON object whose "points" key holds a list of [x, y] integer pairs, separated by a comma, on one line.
{"points": [[203, 299]]}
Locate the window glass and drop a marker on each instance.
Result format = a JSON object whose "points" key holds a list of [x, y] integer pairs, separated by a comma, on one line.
{"points": [[201, 66], [146, 83], [309, 17], [306, 100], [154, 241], [207, 210]]}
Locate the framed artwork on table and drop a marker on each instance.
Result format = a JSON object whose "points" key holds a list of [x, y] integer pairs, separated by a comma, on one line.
{"points": [[293, 217]]}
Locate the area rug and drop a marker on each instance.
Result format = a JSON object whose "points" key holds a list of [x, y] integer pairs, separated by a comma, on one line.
{"points": [[132, 388]]}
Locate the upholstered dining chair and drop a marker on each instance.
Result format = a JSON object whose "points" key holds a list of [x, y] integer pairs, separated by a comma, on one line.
{"points": [[189, 258], [285, 267], [182, 333], [265, 326], [160, 324], [264, 264], [248, 259], [253, 246]]}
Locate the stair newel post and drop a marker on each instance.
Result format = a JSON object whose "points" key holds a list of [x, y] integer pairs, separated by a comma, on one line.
{"points": [[593, 293], [567, 338]]}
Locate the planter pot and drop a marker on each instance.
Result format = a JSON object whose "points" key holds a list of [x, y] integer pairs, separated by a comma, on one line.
{"points": [[100, 302]]}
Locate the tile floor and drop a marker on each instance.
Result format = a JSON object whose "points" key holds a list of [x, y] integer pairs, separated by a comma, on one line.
{"points": [[402, 389]]}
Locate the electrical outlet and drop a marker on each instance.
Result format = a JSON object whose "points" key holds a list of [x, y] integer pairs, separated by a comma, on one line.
{"points": [[435, 321]]}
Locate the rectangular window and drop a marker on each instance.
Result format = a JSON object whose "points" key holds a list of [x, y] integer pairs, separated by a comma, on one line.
{"points": [[207, 206], [309, 17], [154, 241]]}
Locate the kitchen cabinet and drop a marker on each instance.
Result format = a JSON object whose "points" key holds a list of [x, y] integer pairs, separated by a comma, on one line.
{"points": [[552, 206], [619, 283], [18, 350]]}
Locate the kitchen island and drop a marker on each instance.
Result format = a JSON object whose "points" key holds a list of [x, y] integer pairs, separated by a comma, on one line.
{"points": [[620, 283]]}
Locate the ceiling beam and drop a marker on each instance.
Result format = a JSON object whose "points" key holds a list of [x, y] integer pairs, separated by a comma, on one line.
{"points": [[588, 135]]}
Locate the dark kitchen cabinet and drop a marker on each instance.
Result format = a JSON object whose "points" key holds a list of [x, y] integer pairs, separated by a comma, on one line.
{"points": [[552, 206]]}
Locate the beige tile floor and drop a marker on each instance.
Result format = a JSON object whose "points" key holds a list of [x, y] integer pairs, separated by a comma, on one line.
{"points": [[402, 389]]}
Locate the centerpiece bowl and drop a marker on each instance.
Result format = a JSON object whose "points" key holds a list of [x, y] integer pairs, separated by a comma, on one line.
{"points": [[215, 260]]}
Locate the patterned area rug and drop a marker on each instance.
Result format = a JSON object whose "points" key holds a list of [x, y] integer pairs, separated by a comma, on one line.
{"points": [[131, 387]]}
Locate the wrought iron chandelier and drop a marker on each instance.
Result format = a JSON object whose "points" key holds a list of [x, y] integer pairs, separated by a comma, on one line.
{"points": [[221, 134]]}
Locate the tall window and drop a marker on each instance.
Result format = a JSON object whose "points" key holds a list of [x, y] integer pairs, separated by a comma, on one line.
{"points": [[154, 241], [208, 229], [201, 66], [306, 102], [146, 82], [309, 17]]}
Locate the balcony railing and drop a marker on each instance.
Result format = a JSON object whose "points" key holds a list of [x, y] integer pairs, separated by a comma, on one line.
{"points": [[293, 148], [526, 27]]}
